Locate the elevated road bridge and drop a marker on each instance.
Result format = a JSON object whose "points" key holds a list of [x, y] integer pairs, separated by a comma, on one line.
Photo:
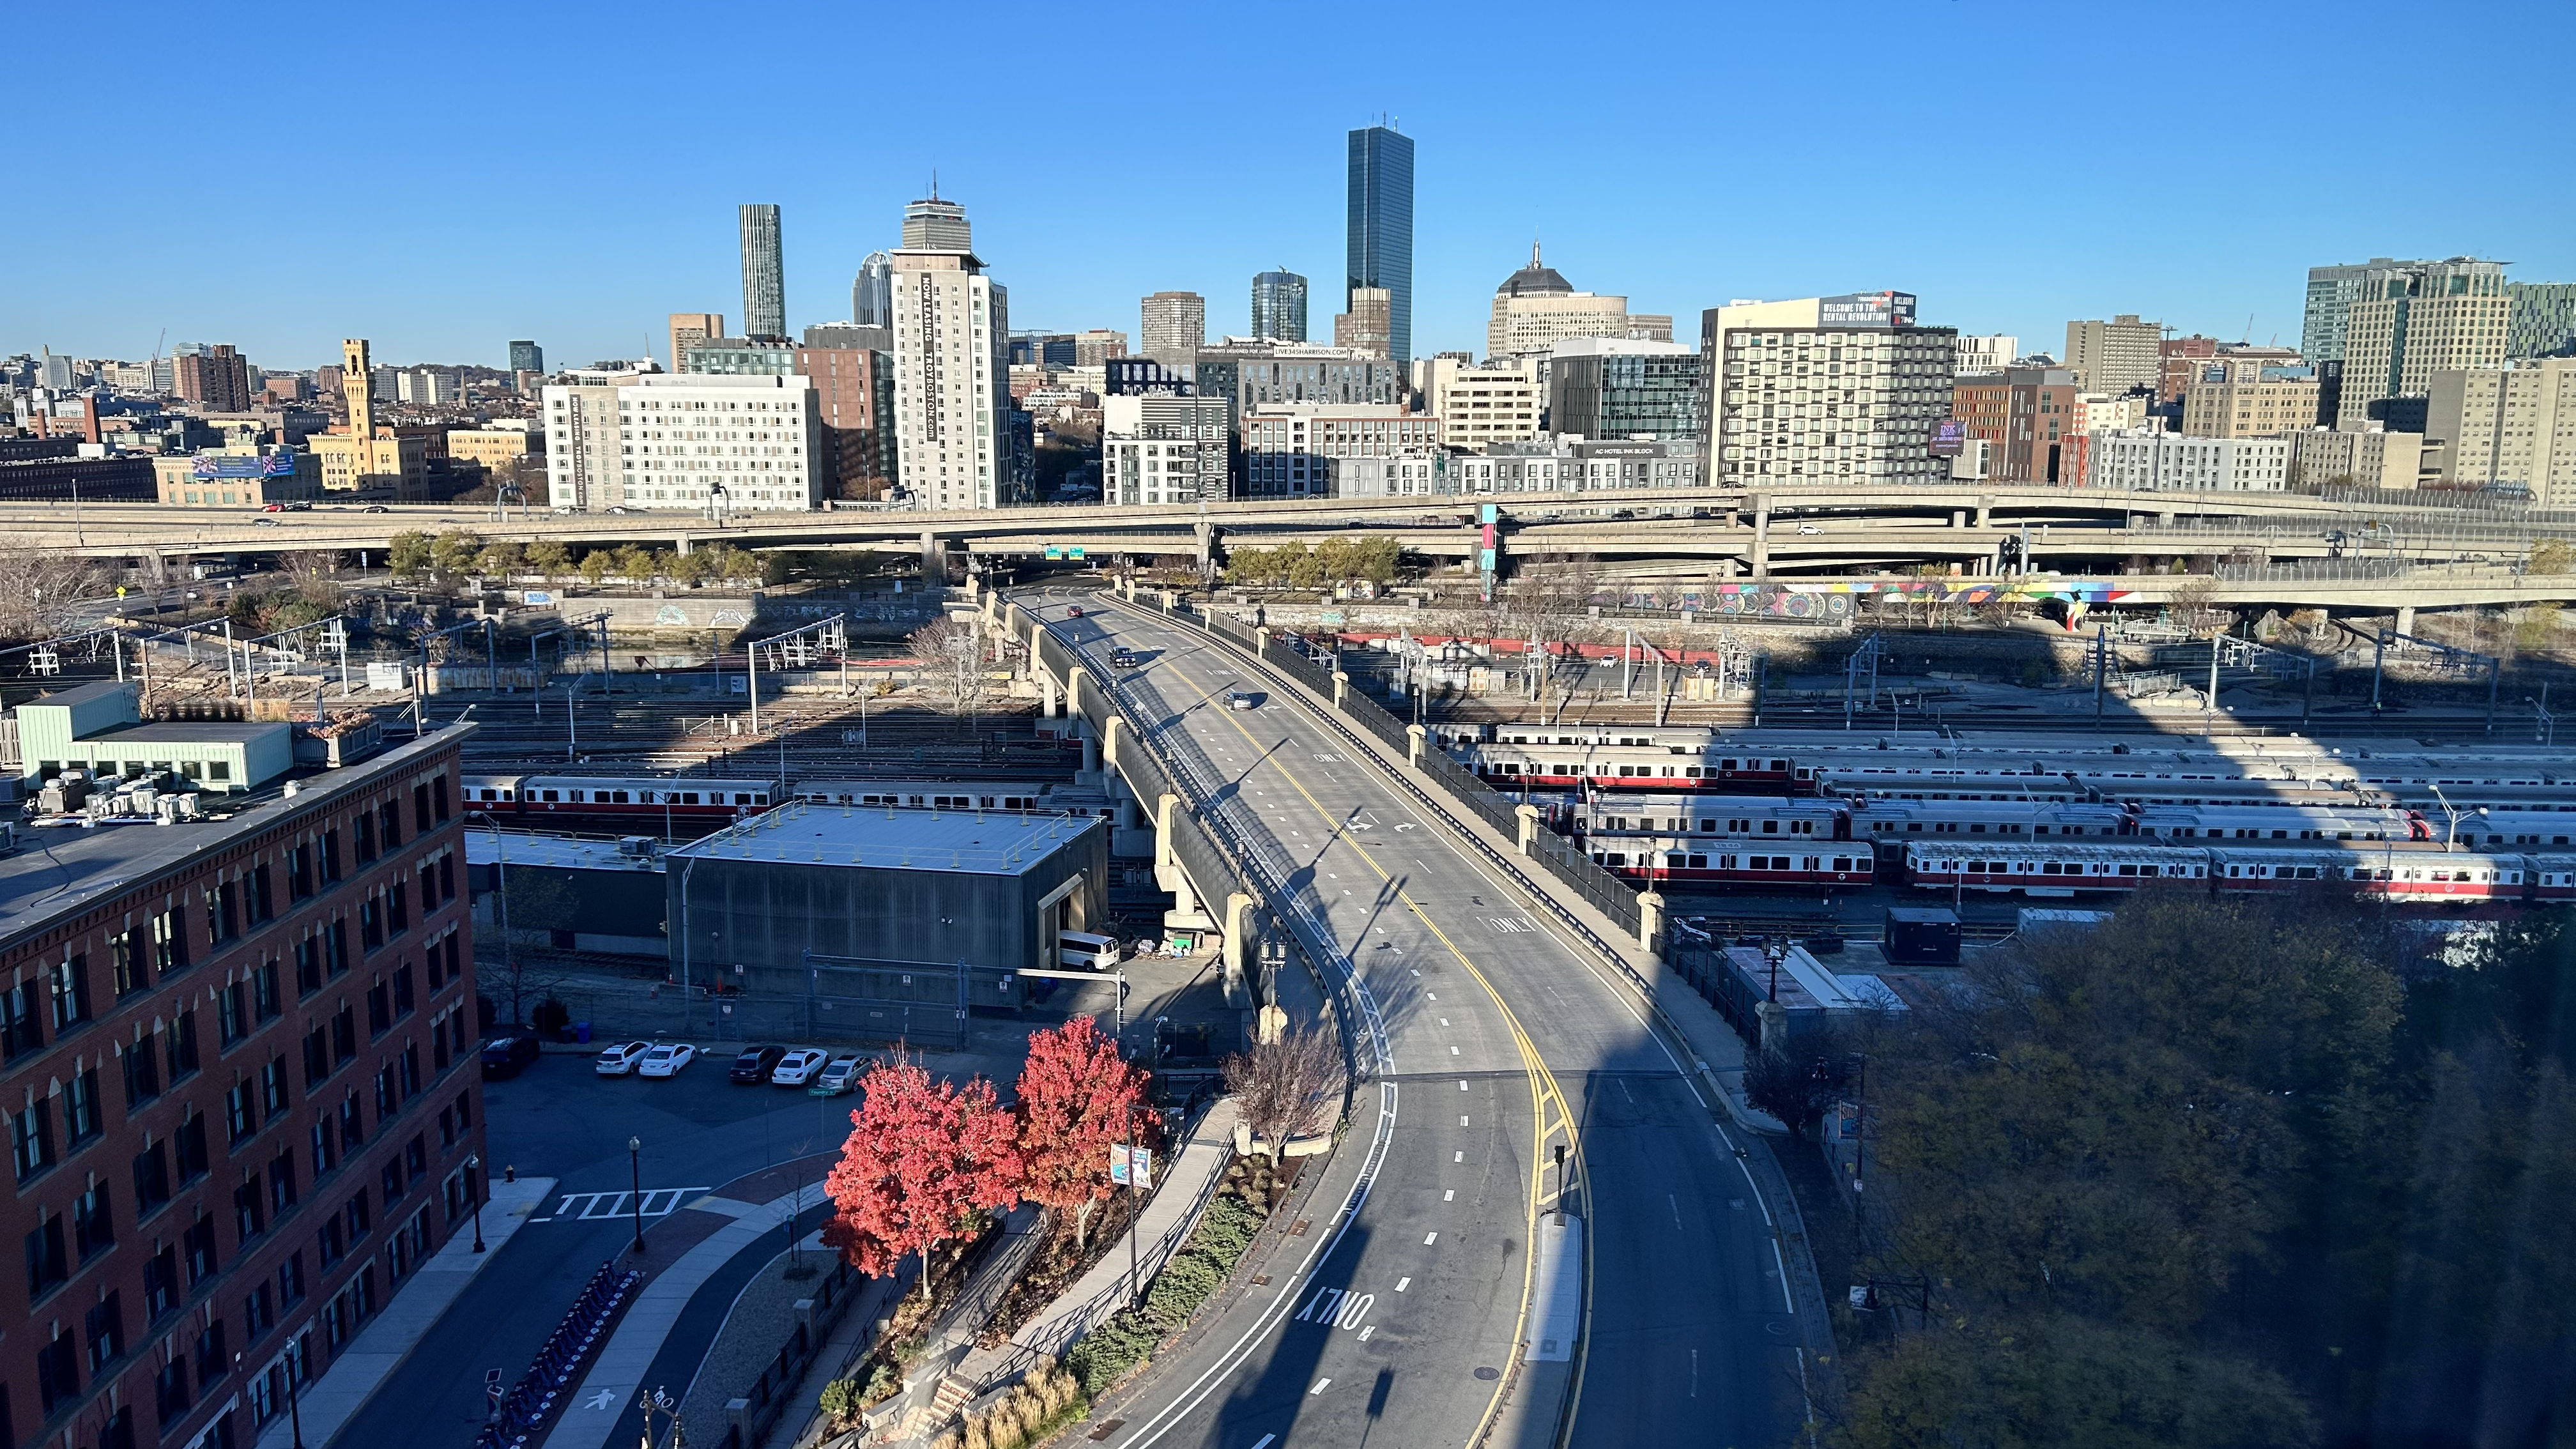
{"points": [[1641, 534]]}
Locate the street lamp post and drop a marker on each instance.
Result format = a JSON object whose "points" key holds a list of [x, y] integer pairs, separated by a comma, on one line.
{"points": [[474, 1194], [635, 1169]]}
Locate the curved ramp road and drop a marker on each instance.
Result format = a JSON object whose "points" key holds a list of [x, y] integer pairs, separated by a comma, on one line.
{"points": [[1489, 1043]]}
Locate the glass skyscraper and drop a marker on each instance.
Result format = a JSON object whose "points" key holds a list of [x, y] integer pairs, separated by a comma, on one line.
{"points": [[872, 295], [1279, 306], [1381, 227], [764, 295]]}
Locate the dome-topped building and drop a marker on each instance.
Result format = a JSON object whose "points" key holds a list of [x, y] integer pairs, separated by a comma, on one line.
{"points": [[1535, 280], [1536, 307]]}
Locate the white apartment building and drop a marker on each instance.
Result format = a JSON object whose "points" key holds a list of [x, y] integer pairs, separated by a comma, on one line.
{"points": [[1287, 450], [1162, 450], [1405, 475], [682, 440], [1825, 388], [952, 383], [2100, 412], [1480, 406], [1993, 352], [2331, 457], [2178, 461], [1564, 465], [2511, 426]]}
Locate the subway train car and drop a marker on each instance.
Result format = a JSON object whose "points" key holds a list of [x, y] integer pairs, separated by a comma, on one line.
{"points": [[1775, 865], [1743, 817], [565, 798], [2410, 872]]}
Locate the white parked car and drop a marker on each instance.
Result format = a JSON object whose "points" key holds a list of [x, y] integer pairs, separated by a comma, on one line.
{"points": [[797, 1068], [666, 1060], [841, 1077], [622, 1059]]}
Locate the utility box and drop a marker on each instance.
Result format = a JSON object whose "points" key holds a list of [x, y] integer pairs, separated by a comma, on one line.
{"points": [[1921, 936], [386, 675]]}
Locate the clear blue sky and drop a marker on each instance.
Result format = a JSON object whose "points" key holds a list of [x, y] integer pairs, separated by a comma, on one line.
{"points": [[442, 180]]}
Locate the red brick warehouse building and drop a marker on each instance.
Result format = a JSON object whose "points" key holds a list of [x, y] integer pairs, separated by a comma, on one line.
{"points": [[236, 1056]]}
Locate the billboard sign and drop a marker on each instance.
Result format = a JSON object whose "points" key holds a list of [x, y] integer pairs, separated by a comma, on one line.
{"points": [[280, 464], [1866, 309], [1949, 438]]}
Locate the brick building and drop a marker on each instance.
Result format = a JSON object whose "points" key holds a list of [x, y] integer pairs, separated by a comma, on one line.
{"points": [[2025, 415], [237, 1057], [854, 402]]}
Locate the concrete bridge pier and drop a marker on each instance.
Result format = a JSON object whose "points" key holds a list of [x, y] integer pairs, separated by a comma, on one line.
{"points": [[680, 544], [1985, 511], [1243, 931], [934, 559], [2406, 618], [1049, 707], [1650, 923], [1761, 554], [1189, 909], [1528, 816]]}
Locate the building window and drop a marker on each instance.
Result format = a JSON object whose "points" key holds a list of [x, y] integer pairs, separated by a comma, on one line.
{"points": [[151, 1178], [21, 1031], [68, 986], [160, 1283], [180, 1040], [241, 1112], [84, 1114], [48, 1266], [250, 1214], [93, 1222], [57, 1370], [105, 1330], [31, 1138]]}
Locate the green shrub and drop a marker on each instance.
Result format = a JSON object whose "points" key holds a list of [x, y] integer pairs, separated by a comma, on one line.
{"points": [[1225, 1231], [840, 1400]]}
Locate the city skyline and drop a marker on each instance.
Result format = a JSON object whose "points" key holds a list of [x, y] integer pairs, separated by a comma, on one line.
{"points": [[1662, 218]]}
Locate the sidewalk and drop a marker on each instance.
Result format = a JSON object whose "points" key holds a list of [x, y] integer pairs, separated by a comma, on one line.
{"points": [[622, 1365], [849, 1341], [909, 1413], [362, 1368], [1188, 1182]]}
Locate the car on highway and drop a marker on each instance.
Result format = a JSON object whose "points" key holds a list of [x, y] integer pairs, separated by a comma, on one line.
{"points": [[375, 508], [755, 1064], [666, 1060], [797, 1068], [1122, 658], [268, 522], [1073, 611], [1809, 528], [621, 1060], [839, 1078], [274, 508], [1241, 699], [622, 508], [507, 1056]]}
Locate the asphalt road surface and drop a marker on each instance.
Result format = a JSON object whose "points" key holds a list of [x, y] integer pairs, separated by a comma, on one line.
{"points": [[1398, 1324]]}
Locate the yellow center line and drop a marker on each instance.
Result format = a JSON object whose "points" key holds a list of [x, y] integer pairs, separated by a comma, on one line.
{"points": [[1544, 1090]]}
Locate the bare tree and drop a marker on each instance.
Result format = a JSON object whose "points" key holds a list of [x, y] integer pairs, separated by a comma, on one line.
{"points": [[951, 650], [1287, 1087], [41, 592], [1548, 603]]}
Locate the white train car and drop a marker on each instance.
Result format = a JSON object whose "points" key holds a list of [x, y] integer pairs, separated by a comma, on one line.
{"points": [[1778, 865], [1732, 817], [2279, 822], [1892, 821]]}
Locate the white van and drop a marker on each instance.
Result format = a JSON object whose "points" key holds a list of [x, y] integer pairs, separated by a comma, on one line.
{"points": [[1083, 951]]}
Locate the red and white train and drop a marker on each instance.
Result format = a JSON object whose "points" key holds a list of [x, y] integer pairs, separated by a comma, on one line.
{"points": [[605, 797], [2409, 872], [1785, 864]]}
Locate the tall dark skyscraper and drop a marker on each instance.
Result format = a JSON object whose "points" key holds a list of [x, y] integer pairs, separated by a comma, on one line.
{"points": [[1279, 306], [764, 284], [1381, 226], [527, 357]]}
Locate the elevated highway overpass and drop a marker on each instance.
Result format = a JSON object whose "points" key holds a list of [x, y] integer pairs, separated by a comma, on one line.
{"points": [[1639, 535]]}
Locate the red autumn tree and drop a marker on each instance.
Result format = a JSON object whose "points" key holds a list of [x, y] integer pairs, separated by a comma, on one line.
{"points": [[1077, 1097], [923, 1160]]}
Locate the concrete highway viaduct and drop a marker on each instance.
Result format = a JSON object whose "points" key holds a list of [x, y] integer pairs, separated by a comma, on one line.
{"points": [[2343, 550]]}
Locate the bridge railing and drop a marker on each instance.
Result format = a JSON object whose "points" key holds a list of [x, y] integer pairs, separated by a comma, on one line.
{"points": [[1559, 858]]}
